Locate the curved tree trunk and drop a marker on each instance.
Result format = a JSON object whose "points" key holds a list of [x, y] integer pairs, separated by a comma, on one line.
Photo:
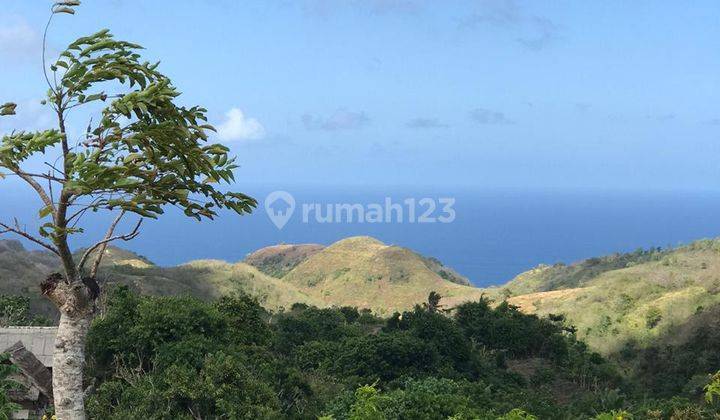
{"points": [[68, 365], [76, 303]]}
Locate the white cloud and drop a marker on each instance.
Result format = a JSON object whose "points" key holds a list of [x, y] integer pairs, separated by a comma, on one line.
{"points": [[239, 127]]}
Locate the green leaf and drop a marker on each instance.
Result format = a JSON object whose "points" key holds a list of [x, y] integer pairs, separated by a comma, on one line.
{"points": [[44, 212], [7, 108]]}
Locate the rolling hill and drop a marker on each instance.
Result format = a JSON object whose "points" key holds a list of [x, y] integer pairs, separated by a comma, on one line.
{"points": [[359, 271], [631, 298], [278, 260], [364, 272], [613, 301], [653, 312], [21, 271]]}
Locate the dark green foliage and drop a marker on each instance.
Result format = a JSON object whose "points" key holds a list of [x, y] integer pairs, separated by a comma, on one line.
{"points": [[305, 324], [671, 368], [435, 398], [383, 357], [222, 386], [506, 328], [7, 407], [178, 357], [443, 335], [246, 318], [15, 311]]}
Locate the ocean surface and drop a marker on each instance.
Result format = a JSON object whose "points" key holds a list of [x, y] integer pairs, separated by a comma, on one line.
{"points": [[494, 235]]}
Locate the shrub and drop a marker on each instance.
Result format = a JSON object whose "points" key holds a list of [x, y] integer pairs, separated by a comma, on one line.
{"points": [[653, 316]]}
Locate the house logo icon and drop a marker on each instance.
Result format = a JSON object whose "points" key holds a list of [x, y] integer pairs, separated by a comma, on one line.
{"points": [[279, 206]]}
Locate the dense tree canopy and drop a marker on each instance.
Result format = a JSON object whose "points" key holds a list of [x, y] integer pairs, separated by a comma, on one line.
{"points": [[177, 357]]}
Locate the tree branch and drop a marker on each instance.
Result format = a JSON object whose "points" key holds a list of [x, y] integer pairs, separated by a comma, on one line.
{"points": [[17, 230], [47, 176], [103, 247], [109, 238], [35, 185]]}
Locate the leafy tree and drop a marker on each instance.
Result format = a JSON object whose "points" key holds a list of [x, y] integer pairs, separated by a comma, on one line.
{"points": [[615, 415], [143, 152], [7, 407], [441, 333], [366, 406], [433, 302], [175, 357], [712, 389], [222, 387], [15, 311], [506, 328], [517, 414]]}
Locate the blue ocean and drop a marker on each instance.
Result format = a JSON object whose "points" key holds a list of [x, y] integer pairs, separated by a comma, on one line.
{"points": [[494, 235]]}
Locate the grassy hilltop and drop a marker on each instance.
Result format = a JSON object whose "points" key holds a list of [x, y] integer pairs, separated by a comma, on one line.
{"points": [[364, 272]]}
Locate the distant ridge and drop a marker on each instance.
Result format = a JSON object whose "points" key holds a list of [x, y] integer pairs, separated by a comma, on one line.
{"points": [[373, 275]]}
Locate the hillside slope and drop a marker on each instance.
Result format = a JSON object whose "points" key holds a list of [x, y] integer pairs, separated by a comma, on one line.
{"points": [[364, 272], [21, 272], [209, 279], [635, 304], [278, 260], [371, 275]]}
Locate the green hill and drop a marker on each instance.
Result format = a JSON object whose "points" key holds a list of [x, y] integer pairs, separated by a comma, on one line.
{"points": [[21, 272], [364, 272], [361, 272], [634, 297]]}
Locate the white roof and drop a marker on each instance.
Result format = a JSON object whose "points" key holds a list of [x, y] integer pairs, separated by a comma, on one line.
{"points": [[40, 341]]}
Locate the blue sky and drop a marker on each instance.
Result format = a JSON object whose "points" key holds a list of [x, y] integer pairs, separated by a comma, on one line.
{"points": [[488, 94]]}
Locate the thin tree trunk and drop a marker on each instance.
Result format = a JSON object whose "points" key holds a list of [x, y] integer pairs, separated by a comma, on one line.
{"points": [[68, 365]]}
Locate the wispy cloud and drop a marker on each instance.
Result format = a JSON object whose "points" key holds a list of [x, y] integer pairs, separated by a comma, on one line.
{"points": [[339, 120], [325, 8], [494, 12], [489, 117], [18, 41], [713, 121], [662, 117], [542, 32], [535, 32], [582, 106], [238, 127], [422, 123]]}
